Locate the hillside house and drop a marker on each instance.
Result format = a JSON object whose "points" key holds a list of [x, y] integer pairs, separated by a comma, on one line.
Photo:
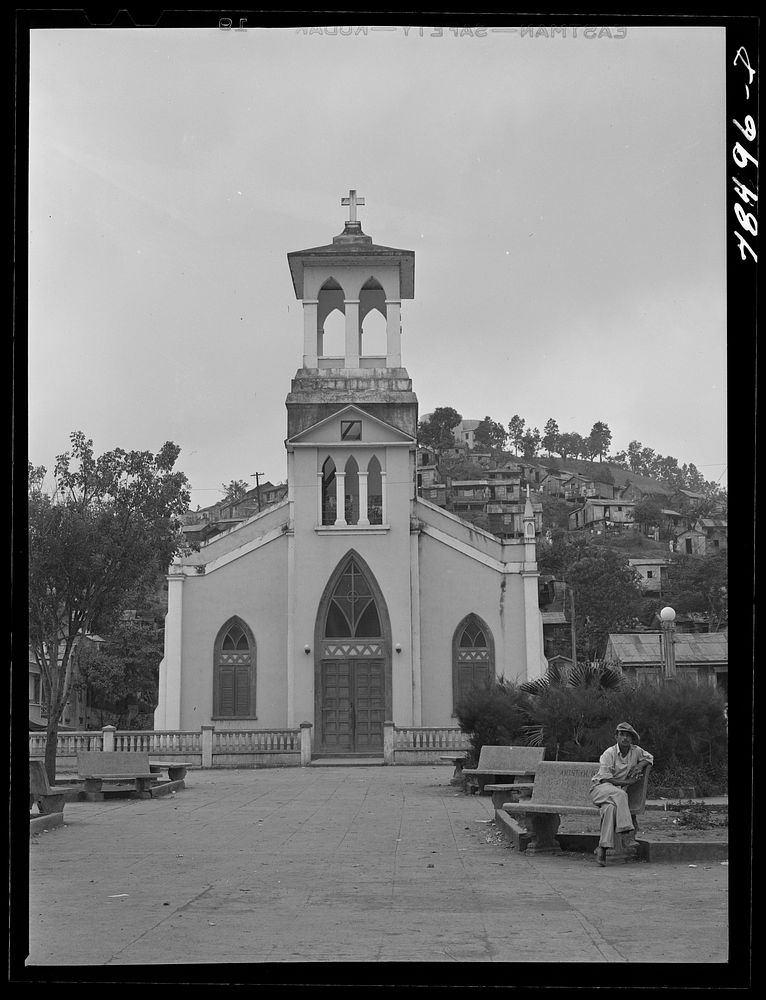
{"points": [[637, 488], [706, 536], [688, 500], [506, 518], [464, 432], [652, 570], [578, 486], [700, 659], [597, 515], [553, 483]]}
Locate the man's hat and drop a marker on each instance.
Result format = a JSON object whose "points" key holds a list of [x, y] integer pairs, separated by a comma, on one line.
{"points": [[625, 727]]}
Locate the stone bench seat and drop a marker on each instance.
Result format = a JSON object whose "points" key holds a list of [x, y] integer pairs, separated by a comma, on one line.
{"points": [[540, 807], [500, 792], [176, 768], [561, 788], [496, 762], [456, 759], [48, 800], [95, 767]]}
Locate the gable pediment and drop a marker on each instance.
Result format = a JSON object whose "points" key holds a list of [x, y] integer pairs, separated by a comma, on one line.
{"points": [[351, 424]]}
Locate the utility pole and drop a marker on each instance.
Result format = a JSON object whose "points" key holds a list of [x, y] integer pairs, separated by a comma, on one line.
{"points": [[573, 626], [257, 476]]}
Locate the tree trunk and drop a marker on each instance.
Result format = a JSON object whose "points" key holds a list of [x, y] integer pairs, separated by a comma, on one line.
{"points": [[51, 745]]}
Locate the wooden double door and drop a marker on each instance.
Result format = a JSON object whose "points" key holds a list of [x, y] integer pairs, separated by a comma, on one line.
{"points": [[352, 705]]}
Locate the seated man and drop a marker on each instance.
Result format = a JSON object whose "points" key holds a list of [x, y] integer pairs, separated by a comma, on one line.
{"points": [[620, 766]]}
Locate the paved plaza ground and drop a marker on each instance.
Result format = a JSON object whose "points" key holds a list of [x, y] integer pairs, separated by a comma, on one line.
{"points": [[345, 865]]}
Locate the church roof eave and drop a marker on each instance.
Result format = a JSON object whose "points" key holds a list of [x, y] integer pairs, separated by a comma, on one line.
{"points": [[343, 254]]}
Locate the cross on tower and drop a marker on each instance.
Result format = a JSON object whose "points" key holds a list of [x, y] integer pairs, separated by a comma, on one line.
{"points": [[352, 201]]}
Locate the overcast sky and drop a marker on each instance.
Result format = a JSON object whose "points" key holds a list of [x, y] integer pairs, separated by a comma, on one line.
{"points": [[565, 198]]}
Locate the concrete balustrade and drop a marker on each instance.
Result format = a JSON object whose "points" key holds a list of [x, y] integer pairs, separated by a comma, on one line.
{"points": [[211, 748]]}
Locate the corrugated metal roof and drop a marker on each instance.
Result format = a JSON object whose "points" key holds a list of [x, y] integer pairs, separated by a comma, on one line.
{"points": [[691, 647]]}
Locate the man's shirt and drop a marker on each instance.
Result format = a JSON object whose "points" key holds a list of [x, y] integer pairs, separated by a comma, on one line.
{"points": [[613, 765]]}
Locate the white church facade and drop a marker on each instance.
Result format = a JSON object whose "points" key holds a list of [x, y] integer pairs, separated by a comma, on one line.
{"points": [[353, 601]]}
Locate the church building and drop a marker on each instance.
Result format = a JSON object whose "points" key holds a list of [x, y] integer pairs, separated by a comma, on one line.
{"points": [[353, 601]]}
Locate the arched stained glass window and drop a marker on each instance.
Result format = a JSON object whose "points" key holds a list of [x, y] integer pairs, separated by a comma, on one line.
{"points": [[473, 657], [352, 612], [234, 671]]}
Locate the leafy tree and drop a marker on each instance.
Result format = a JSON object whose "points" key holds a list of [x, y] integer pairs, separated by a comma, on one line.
{"points": [[492, 714], [108, 528], [436, 431], [692, 478], [699, 584], [530, 443], [555, 512], [234, 490], [647, 512], [599, 439], [550, 439], [122, 672], [648, 461], [577, 445], [461, 469], [490, 434], [565, 549], [607, 598], [635, 460], [516, 432], [565, 445]]}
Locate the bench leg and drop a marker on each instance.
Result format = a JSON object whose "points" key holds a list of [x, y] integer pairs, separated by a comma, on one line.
{"points": [[48, 804], [142, 788], [543, 828], [498, 798], [176, 773], [92, 790]]}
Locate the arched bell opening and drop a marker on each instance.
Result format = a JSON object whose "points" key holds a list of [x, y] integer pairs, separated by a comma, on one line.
{"points": [[373, 337], [331, 322]]}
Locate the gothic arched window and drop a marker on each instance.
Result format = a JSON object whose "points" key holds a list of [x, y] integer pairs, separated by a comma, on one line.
{"points": [[352, 491], [234, 672], [352, 612], [473, 657], [374, 491], [329, 496]]}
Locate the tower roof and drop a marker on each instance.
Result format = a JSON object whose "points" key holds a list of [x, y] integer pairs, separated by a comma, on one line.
{"points": [[354, 247]]}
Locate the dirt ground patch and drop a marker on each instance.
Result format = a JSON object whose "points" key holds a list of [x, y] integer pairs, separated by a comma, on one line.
{"points": [[659, 824]]}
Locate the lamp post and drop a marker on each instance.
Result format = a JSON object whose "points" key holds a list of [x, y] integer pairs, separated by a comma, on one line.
{"points": [[668, 623]]}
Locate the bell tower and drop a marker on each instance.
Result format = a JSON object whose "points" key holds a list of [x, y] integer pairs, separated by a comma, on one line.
{"points": [[355, 277]]}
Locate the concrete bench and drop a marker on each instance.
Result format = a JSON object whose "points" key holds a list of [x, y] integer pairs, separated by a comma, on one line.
{"points": [[502, 793], [47, 799], [97, 766], [456, 759], [176, 768], [563, 787], [496, 763]]}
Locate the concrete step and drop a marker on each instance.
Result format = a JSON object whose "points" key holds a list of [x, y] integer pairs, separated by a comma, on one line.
{"points": [[347, 762]]}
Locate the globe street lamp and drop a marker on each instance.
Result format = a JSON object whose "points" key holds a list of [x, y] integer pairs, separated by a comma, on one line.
{"points": [[668, 624]]}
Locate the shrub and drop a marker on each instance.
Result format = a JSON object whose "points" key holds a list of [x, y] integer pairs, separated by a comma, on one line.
{"points": [[492, 715], [681, 724]]}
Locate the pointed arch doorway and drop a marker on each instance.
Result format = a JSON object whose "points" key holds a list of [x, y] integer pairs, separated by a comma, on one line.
{"points": [[352, 680]]}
